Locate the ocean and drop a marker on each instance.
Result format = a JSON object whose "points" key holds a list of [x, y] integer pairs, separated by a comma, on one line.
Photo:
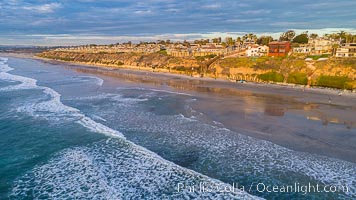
{"points": [[67, 134]]}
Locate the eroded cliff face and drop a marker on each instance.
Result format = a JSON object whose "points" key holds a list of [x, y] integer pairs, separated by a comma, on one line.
{"points": [[288, 70], [251, 69], [117, 59]]}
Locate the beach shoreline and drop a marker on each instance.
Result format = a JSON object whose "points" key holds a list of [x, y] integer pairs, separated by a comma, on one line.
{"points": [[166, 73], [223, 101], [313, 121]]}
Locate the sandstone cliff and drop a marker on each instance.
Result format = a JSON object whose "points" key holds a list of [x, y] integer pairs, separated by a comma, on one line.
{"points": [[334, 72]]}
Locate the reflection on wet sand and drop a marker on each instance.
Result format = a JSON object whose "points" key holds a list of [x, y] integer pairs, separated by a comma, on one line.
{"points": [[290, 118]]}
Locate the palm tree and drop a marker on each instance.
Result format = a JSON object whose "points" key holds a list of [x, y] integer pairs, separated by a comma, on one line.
{"points": [[348, 38], [238, 40], [244, 38]]}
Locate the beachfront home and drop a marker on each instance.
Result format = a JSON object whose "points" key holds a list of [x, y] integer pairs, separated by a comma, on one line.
{"points": [[303, 49], [277, 49], [346, 50], [210, 49], [256, 50], [322, 45], [178, 50]]}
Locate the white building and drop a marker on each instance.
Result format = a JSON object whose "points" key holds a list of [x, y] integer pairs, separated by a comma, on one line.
{"points": [[322, 45], [303, 49], [256, 51], [346, 50]]}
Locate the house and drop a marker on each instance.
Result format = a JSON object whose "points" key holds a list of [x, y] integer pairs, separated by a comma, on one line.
{"points": [[256, 51], [303, 49], [322, 45], [209, 49], [178, 50], [346, 50], [279, 48]]}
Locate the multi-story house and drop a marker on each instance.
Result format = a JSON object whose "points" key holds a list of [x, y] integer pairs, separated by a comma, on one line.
{"points": [[277, 49], [256, 51], [346, 50], [322, 45], [304, 49]]}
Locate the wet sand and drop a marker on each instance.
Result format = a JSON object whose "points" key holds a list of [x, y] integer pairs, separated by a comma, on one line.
{"points": [[309, 120]]}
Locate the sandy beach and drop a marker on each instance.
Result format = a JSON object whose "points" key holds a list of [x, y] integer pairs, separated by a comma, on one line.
{"points": [[303, 119], [228, 131]]}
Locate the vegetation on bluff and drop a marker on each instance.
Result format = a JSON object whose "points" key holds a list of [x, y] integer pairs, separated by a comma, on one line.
{"points": [[271, 77], [333, 72], [341, 82], [152, 60], [297, 78]]}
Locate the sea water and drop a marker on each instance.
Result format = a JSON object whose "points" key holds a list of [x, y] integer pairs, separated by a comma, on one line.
{"points": [[66, 135]]}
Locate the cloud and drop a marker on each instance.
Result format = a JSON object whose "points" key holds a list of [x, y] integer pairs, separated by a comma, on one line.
{"points": [[245, 20], [81, 39], [45, 8], [212, 6], [256, 12], [143, 12], [290, 24], [167, 17]]}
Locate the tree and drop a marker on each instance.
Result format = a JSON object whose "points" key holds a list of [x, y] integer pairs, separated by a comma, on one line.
{"points": [[186, 43], [301, 39], [264, 40], [238, 40], [249, 37], [229, 41], [353, 38], [287, 36], [348, 38], [224, 44], [313, 36]]}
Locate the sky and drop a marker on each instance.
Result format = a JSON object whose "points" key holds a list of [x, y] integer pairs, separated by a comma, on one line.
{"points": [[73, 22]]}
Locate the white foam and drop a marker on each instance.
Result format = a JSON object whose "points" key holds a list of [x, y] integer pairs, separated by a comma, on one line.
{"points": [[155, 90], [113, 97], [228, 153], [189, 119], [98, 117], [98, 81], [4, 59], [231, 154], [115, 170], [5, 68], [25, 83], [53, 108], [99, 128]]}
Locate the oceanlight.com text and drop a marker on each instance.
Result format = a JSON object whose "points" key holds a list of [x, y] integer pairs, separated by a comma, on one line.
{"points": [[304, 189]]}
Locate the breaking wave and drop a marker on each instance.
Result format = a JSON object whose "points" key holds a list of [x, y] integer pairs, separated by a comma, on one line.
{"points": [[52, 106], [114, 169]]}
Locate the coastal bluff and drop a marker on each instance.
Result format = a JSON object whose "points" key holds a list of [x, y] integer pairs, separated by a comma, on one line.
{"points": [[332, 72]]}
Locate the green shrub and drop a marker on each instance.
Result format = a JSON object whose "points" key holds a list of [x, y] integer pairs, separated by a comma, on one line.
{"points": [[271, 76], [340, 82], [210, 56], [316, 57], [163, 52], [180, 68], [297, 78], [202, 58]]}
